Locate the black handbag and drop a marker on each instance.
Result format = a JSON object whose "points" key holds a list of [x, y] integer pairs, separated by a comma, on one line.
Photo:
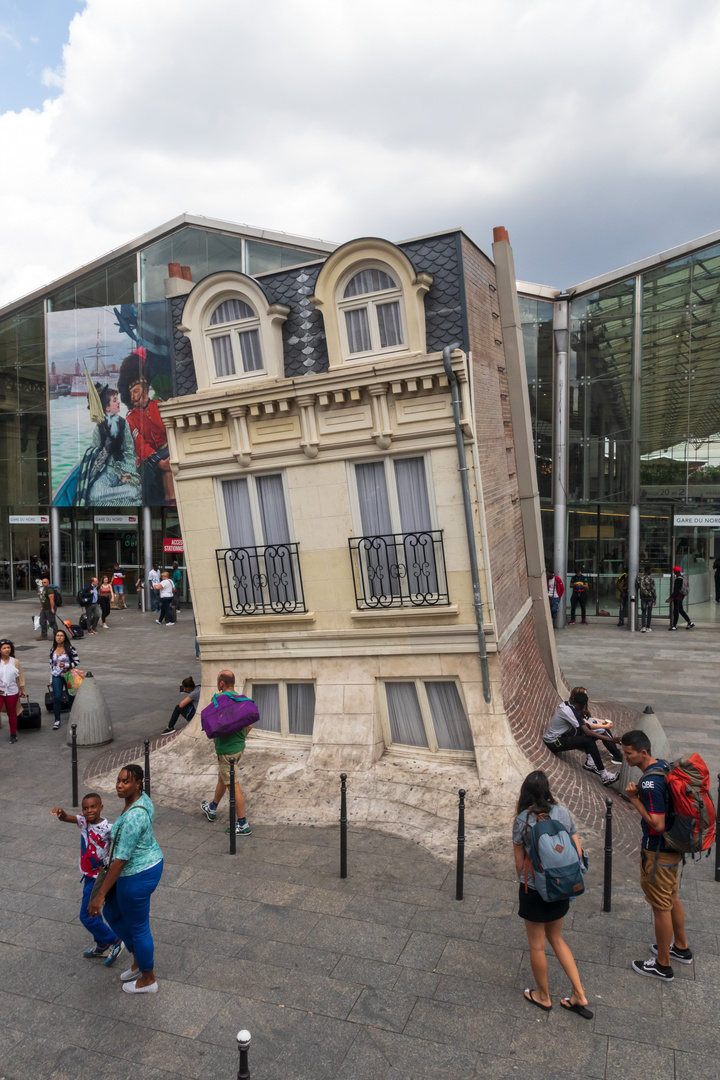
{"points": [[65, 699]]}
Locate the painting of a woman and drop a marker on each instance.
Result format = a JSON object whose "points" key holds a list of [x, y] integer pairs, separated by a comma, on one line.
{"points": [[108, 473]]}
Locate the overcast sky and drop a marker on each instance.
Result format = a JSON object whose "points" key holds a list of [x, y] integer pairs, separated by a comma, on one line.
{"points": [[590, 129]]}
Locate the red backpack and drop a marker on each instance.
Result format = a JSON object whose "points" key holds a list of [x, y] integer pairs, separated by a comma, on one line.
{"points": [[693, 825]]}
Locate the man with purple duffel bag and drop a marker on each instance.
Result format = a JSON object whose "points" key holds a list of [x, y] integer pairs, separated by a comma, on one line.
{"points": [[227, 720]]}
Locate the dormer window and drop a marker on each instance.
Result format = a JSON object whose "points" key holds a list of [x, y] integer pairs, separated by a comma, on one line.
{"points": [[371, 307], [235, 338]]}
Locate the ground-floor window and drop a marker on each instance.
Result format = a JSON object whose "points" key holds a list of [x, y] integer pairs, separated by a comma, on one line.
{"points": [[426, 713], [286, 708]]}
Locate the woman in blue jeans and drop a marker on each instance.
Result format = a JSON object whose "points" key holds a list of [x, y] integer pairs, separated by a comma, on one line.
{"points": [[63, 657], [131, 880]]}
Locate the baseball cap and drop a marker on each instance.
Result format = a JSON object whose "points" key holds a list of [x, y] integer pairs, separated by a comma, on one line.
{"points": [[677, 569]]}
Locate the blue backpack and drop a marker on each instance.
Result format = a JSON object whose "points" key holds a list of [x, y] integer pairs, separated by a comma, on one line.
{"points": [[556, 866]]}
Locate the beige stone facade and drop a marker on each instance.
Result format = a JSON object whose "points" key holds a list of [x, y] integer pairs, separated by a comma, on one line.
{"points": [[381, 405]]}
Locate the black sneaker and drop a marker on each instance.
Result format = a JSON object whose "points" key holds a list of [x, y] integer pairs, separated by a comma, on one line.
{"points": [[167, 730], [690, 625], [683, 956], [616, 761], [653, 970]]}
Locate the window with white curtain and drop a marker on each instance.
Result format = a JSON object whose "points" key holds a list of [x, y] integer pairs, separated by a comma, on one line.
{"points": [[394, 505], [285, 708], [428, 714], [256, 518], [234, 333], [372, 313]]}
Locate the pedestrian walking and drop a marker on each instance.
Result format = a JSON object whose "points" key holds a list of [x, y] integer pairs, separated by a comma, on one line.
{"points": [[621, 591], [135, 870], [580, 586], [47, 607], [716, 568], [165, 592], [645, 589], [89, 598], [12, 684], [544, 918], [106, 595], [190, 696], [154, 579], [572, 728], [118, 584], [659, 866], [63, 658], [139, 586], [555, 590], [675, 600], [227, 746], [94, 845], [177, 585]]}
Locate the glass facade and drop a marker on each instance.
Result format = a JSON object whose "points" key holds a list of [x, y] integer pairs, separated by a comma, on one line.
{"points": [[676, 305], [47, 351]]}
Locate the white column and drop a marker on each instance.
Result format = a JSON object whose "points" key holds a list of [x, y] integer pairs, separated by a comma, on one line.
{"points": [[55, 545], [634, 523], [560, 450], [147, 553]]}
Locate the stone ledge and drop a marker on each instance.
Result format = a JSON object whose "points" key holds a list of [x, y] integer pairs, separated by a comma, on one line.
{"points": [[244, 622], [406, 613]]}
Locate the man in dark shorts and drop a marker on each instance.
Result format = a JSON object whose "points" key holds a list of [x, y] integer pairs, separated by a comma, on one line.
{"points": [[659, 867]]}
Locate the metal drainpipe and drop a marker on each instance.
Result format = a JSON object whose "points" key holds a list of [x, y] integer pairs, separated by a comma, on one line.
{"points": [[469, 525]]}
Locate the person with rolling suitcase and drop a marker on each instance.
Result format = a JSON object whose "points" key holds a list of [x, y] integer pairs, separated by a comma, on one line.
{"points": [[63, 657], [12, 684]]}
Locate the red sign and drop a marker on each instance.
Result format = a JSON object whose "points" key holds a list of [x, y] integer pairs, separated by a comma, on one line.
{"points": [[173, 545]]}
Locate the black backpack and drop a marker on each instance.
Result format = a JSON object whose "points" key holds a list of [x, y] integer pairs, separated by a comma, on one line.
{"points": [[58, 598], [84, 596]]}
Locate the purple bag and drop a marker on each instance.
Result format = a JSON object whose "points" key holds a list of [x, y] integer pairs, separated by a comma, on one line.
{"points": [[227, 714]]}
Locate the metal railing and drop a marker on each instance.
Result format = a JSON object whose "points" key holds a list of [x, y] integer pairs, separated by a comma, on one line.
{"points": [[399, 570], [261, 580]]}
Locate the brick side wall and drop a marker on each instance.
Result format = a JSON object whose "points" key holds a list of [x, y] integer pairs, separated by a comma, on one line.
{"points": [[506, 553]]}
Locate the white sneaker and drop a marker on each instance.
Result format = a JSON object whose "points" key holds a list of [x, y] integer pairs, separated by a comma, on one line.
{"points": [[608, 777], [644, 630], [649, 629], [590, 765]]}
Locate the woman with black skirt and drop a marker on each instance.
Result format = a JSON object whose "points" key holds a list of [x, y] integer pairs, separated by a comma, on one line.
{"points": [[543, 919]]}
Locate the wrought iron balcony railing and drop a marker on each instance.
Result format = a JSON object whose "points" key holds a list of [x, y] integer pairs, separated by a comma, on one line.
{"points": [[261, 580], [400, 570]]}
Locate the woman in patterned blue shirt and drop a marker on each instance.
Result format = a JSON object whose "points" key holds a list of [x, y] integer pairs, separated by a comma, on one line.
{"points": [[131, 880]]}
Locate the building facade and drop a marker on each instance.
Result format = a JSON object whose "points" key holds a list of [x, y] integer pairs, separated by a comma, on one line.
{"points": [[623, 380], [97, 485], [315, 452]]}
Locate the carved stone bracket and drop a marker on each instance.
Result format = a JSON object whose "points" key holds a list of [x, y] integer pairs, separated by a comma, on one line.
{"points": [[310, 441], [240, 436], [382, 431]]}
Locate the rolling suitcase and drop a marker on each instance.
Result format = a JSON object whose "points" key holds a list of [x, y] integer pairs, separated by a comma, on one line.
{"points": [[65, 700], [29, 716]]}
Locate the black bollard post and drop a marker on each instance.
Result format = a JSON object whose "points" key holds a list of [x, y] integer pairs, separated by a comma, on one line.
{"points": [[75, 801], [607, 880], [343, 826], [460, 847], [243, 1040], [147, 768], [717, 840], [233, 836]]}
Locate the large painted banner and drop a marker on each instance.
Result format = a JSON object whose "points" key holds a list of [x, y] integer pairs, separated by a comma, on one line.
{"points": [[107, 369]]}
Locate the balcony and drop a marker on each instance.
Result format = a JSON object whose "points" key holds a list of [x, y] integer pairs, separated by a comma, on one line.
{"points": [[261, 580], [399, 571]]}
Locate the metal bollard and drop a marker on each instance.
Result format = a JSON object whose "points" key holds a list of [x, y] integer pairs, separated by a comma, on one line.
{"points": [[146, 787], [75, 800], [233, 837], [460, 847], [343, 826], [243, 1040], [717, 840], [607, 880]]}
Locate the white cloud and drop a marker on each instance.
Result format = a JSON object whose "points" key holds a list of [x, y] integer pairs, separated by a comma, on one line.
{"points": [[589, 130]]}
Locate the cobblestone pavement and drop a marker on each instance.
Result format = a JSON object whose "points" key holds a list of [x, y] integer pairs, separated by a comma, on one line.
{"points": [[383, 976]]}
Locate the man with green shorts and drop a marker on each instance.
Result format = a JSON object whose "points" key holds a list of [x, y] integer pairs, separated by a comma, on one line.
{"points": [[227, 746]]}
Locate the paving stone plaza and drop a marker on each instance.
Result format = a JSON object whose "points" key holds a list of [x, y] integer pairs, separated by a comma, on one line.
{"points": [[382, 976]]}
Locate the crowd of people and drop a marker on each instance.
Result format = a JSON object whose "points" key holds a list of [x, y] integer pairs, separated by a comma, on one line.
{"points": [[645, 596]]}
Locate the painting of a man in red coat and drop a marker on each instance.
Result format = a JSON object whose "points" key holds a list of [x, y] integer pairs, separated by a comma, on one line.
{"points": [[147, 429]]}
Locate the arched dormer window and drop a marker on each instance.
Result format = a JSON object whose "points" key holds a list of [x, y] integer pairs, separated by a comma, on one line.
{"points": [[371, 299], [236, 335], [372, 307], [235, 338]]}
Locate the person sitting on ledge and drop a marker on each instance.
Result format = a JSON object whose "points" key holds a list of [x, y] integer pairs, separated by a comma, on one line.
{"points": [[572, 728]]}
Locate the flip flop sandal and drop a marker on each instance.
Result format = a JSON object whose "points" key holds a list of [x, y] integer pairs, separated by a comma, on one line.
{"points": [[529, 997], [581, 1010]]}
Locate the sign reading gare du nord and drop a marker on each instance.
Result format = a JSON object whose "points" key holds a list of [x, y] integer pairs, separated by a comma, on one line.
{"points": [[700, 521]]}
